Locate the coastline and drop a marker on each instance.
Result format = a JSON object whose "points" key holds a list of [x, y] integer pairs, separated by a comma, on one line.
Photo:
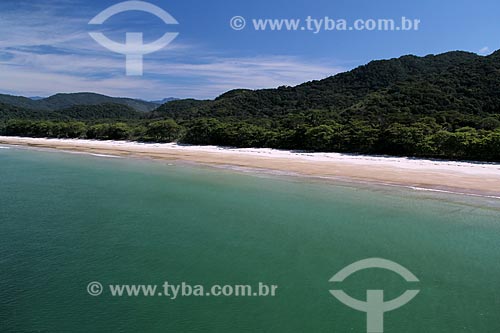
{"points": [[480, 179]]}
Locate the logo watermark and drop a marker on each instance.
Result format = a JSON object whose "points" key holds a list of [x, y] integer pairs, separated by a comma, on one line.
{"points": [[375, 305], [134, 48], [94, 288], [238, 23], [173, 291], [317, 25]]}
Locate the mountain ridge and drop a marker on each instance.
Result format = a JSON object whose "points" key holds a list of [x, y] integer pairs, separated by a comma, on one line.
{"points": [[65, 100]]}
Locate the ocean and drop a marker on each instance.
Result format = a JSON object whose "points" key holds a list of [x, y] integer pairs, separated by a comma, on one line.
{"points": [[69, 220]]}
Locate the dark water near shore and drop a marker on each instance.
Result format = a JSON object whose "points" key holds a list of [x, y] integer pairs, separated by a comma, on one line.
{"points": [[67, 220]]}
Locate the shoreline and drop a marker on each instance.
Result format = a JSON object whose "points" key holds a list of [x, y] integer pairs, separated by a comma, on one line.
{"points": [[467, 178]]}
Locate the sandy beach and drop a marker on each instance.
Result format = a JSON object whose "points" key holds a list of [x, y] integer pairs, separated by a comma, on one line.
{"points": [[460, 177]]}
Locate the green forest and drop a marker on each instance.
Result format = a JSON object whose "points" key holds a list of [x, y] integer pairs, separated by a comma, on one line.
{"points": [[440, 106]]}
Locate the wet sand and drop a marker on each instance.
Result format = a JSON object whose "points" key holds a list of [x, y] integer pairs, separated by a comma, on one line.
{"points": [[459, 177]]}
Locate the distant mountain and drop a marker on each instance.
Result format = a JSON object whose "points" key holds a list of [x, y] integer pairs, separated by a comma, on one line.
{"points": [[36, 98], [8, 111], [20, 102], [63, 101], [165, 100], [104, 111], [96, 112]]}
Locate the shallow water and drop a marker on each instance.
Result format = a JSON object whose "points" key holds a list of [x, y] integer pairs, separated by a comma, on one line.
{"points": [[69, 219]]}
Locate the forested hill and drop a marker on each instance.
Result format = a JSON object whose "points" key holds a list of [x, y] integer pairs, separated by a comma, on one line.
{"points": [[440, 106], [454, 81], [64, 101]]}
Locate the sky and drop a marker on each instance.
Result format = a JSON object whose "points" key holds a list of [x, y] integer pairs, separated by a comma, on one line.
{"points": [[45, 46]]}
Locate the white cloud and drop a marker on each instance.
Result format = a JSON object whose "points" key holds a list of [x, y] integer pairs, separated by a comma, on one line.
{"points": [[484, 51], [33, 74], [45, 53]]}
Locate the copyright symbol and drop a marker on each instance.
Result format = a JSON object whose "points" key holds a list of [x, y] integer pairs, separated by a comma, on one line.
{"points": [[238, 23], [94, 288]]}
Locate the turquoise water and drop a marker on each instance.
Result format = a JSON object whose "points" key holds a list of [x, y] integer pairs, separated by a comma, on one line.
{"points": [[67, 220]]}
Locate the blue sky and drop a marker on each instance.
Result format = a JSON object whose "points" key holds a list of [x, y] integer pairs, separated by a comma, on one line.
{"points": [[45, 47]]}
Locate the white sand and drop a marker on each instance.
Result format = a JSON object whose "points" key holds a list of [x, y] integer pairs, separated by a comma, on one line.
{"points": [[419, 173]]}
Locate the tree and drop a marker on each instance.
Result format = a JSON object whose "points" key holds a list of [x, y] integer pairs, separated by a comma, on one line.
{"points": [[163, 131], [320, 138], [202, 131]]}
